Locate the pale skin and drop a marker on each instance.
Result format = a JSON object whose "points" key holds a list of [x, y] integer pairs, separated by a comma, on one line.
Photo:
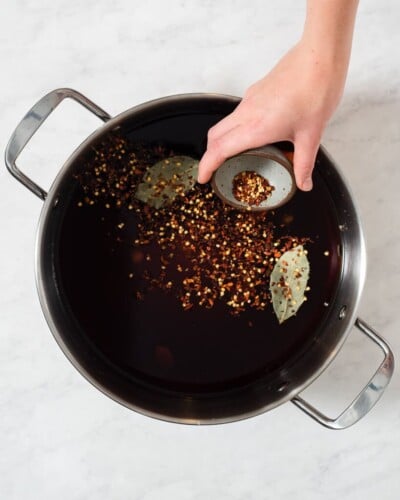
{"points": [[296, 99]]}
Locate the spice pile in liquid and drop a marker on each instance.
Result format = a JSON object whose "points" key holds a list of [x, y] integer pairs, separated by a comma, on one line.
{"points": [[205, 251]]}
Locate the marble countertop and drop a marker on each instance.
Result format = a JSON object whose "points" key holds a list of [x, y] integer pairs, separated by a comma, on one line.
{"points": [[60, 437]]}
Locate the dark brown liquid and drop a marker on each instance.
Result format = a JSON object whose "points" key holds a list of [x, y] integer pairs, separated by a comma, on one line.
{"points": [[154, 339]]}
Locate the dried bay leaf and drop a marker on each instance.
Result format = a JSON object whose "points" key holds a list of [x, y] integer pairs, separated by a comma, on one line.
{"points": [[167, 179], [288, 282]]}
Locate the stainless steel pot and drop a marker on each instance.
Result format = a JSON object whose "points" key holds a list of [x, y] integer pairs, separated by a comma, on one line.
{"points": [[264, 392]]}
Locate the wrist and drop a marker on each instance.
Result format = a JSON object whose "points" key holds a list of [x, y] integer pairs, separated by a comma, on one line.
{"points": [[325, 73], [325, 52]]}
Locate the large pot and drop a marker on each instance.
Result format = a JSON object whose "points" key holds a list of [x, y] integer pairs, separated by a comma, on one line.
{"points": [[254, 381]]}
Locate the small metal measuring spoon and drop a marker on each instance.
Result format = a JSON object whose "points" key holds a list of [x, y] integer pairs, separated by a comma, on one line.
{"points": [[268, 162]]}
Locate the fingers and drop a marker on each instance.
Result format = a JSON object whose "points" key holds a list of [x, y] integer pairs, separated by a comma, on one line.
{"points": [[241, 130], [223, 126], [306, 148], [235, 141], [210, 161], [237, 133]]}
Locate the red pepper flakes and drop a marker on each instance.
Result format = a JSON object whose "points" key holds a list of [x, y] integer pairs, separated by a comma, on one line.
{"points": [[251, 188], [206, 251]]}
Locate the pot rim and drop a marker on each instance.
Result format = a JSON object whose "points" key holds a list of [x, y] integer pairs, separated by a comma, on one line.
{"points": [[356, 268]]}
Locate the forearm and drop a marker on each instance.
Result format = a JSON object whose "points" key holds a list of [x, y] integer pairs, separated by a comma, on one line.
{"points": [[328, 30]]}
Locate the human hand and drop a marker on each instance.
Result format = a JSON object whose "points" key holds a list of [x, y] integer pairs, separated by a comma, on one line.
{"points": [[291, 103]]}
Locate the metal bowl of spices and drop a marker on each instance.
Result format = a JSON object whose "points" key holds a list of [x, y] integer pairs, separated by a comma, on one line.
{"points": [[176, 304]]}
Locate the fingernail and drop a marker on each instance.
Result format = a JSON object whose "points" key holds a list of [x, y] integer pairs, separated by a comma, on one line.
{"points": [[307, 184]]}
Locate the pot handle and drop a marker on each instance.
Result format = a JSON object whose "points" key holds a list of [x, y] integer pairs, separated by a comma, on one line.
{"points": [[367, 398], [32, 121]]}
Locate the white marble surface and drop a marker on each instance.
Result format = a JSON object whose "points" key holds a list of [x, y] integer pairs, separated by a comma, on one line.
{"points": [[59, 437]]}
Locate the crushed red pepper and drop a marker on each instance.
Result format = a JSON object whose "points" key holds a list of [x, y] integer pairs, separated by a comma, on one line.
{"points": [[251, 188], [196, 248]]}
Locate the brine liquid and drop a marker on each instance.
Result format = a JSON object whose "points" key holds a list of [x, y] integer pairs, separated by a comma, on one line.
{"points": [[153, 338]]}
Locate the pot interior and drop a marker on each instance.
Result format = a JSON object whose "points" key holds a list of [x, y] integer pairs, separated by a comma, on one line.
{"points": [[201, 364]]}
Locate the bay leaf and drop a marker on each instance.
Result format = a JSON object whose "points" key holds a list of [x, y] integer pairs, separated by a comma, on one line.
{"points": [[288, 282], [167, 179]]}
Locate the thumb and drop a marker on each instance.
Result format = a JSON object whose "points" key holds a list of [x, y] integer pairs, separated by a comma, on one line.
{"points": [[305, 152]]}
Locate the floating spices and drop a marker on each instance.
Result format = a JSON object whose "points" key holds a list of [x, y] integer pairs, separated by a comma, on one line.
{"points": [[288, 282], [251, 188], [167, 179], [185, 241], [221, 254]]}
